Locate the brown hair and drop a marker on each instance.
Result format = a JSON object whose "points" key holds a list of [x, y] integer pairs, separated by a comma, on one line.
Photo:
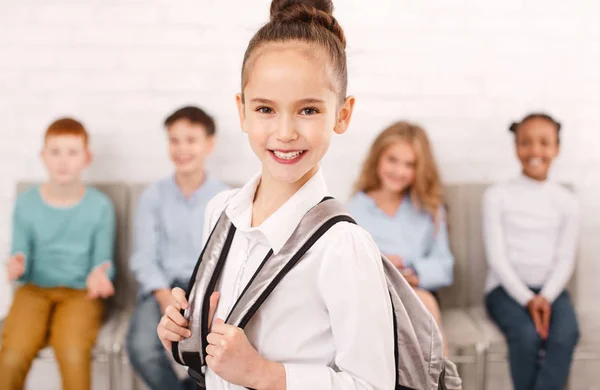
{"points": [[426, 192], [67, 126], [309, 21], [195, 116], [514, 127]]}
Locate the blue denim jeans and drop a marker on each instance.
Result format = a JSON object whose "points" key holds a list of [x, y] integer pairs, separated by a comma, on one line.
{"points": [[146, 353], [536, 364]]}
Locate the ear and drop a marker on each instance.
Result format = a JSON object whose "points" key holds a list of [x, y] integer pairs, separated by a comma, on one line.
{"points": [[44, 153], [344, 115], [210, 144], [239, 101], [90, 157]]}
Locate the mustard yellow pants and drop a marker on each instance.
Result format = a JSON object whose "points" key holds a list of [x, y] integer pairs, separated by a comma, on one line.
{"points": [[64, 318]]}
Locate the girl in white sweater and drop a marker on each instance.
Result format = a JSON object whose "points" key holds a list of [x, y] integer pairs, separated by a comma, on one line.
{"points": [[530, 230]]}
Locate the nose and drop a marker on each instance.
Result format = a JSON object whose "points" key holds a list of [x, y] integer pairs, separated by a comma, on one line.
{"points": [[401, 168], [63, 158], [286, 130], [402, 173], [536, 150], [181, 148]]}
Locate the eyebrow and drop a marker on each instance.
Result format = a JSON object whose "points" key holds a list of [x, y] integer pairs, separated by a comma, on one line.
{"points": [[302, 101]]}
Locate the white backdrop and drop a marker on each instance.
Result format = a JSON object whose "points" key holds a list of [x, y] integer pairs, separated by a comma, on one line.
{"points": [[463, 68]]}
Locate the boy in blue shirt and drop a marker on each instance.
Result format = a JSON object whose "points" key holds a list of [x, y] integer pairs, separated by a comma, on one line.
{"points": [[62, 254], [168, 240]]}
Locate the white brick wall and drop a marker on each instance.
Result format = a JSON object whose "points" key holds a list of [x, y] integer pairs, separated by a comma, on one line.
{"points": [[462, 68]]}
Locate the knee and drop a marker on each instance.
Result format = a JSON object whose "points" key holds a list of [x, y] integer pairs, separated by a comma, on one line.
{"points": [[134, 345], [566, 339], [527, 338], [141, 346], [12, 359], [429, 301], [73, 355]]}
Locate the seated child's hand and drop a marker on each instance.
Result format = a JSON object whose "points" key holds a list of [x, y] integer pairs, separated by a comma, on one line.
{"points": [[164, 297], [173, 326], [98, 284], [411, 277], [16, 266], [396, 260], [540, 311]]}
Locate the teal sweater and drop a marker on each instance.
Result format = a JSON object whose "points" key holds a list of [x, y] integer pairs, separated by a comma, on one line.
{"points": [[63, 244]]}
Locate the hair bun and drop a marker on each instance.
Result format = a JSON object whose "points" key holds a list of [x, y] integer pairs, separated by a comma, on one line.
{"points": [[279, 6], [307, 11]]}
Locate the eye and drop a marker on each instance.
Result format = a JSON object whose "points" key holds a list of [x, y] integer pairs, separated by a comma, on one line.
{"points": [[309, 111], [264, 110], [191, 140]]}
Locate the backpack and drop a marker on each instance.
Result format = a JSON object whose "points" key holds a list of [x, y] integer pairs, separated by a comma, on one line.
{"points": [[418, 350]]}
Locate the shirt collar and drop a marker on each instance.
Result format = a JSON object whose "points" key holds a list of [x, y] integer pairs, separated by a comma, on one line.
{"points": [[278, 228], [526, 180], [197, 192], [405, 204]]}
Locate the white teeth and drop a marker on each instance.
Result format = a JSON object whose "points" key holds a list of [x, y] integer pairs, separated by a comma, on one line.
{"points": [[534, 161], [287, 155]]}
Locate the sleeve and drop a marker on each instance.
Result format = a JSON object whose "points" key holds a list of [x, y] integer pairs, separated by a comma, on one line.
{"points": [[103, 246], [22, 240], [436, 269], [565, 255], [353, 288], [495, 248], [144, 262]]}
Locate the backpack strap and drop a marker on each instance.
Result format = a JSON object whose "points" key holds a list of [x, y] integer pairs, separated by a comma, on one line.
{"points": [[201, 286], [204, 279]]}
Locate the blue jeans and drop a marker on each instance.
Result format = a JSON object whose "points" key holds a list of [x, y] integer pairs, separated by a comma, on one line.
{"points": [[146, 353], [530, 369]]}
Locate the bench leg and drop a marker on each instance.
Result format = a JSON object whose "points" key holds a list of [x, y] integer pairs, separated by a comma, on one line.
{"points": [[481, 352]]}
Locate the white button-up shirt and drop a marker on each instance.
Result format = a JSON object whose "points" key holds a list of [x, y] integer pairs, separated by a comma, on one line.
{"points": [[329, 321]]}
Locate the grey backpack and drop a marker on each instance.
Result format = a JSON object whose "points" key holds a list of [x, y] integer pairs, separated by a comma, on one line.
{"points": [[420, 363]]}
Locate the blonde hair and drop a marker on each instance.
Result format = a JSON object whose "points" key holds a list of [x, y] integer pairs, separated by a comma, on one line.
{"points": [[426, 191]]}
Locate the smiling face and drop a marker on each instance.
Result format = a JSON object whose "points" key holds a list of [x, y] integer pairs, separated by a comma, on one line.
{"points": [[396, 167], [189, 145], [537, 146], [290, 110]]}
